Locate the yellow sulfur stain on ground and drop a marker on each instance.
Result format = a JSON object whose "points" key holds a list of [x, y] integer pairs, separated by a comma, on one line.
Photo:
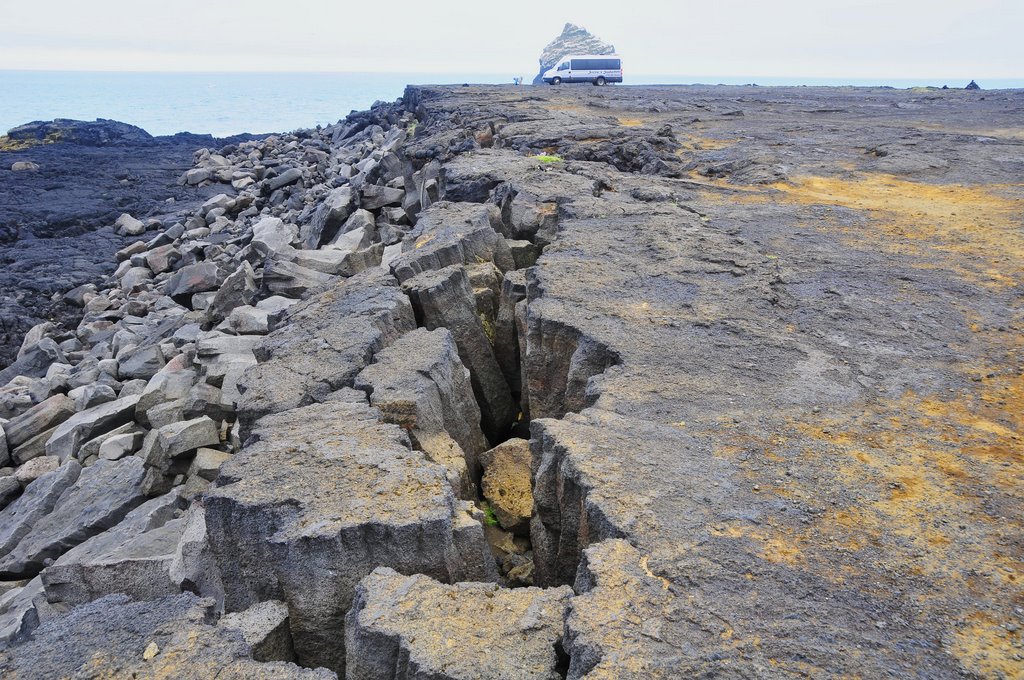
{"points": [[630, 122], [979, 228], [691, 143], [933, 493], [987, 649]]}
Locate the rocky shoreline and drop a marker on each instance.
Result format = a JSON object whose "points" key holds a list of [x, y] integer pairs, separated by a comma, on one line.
{"points": [[58, 214], [541, 383]]}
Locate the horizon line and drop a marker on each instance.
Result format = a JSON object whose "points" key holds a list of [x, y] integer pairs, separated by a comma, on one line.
{"points": [[493, 73]]}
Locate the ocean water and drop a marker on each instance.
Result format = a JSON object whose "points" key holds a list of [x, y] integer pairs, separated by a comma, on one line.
{"points": [[224, 104]]}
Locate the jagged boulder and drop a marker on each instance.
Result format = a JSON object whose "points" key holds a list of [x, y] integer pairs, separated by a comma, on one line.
{"points": [[573, 40]]}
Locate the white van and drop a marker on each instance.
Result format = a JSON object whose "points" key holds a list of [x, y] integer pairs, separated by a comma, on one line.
{"points": [[598, 69]]}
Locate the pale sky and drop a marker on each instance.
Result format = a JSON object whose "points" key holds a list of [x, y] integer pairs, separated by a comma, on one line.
{"points": [[809, 38]]}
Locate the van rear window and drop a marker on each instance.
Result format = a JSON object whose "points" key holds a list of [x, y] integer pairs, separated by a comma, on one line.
{"points": [[596, 64]]}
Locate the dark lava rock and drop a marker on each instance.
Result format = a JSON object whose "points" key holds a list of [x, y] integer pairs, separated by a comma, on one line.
{"points": [[101, 132], [56, 223]]}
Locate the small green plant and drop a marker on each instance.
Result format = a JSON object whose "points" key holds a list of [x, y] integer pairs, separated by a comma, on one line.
{"points": [[490, 519], [547, 158]]}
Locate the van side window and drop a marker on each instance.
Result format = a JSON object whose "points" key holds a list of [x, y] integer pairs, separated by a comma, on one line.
{"points": [[564, 66]]}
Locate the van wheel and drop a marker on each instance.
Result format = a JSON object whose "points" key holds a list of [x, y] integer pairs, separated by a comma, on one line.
{"points": [[556, 81], [600, 81]]}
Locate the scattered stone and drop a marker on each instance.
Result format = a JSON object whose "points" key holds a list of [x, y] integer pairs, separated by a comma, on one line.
{"points": [[163, 447], [195, 278], [238, 289], [132, 558], [207, 463], [35, 468], [271, 234], [126, 225], [328, 218], [9, 490]]}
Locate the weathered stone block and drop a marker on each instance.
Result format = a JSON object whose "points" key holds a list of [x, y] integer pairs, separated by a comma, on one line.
{"points": [[405, 627], [330, 489]]}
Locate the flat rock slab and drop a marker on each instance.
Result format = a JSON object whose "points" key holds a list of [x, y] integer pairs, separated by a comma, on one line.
{"points": [[43, 416], [85, 425], [115, 637], [404, 627], [100, 498], [453, 233], [35, 503], [132, 558], [329, 488], [323, 343]]}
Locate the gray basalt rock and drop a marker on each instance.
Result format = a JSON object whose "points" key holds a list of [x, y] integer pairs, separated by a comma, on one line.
{"points": [[286, 178], [9, 490], [626, 622], [238, 289], [132, 558], [41, 417], [453, 233], [375, 196], [271, 234], [264, 627], [85, 425], [195, 278], [286, 277], [26, 473], [167, 450], [328, 218], [324, 343], [34, 361], [173, 637], [329, 488], [443, 299], [35, 503], [19, 613], [420, 383], [169, 384], [404, 627], [140, 363], [194, 567], [100, 498]]}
